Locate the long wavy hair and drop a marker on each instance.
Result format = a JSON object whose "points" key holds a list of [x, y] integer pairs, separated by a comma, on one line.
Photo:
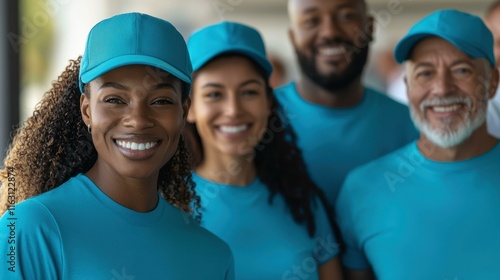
{"points": [[278, 160], [54, 145]]}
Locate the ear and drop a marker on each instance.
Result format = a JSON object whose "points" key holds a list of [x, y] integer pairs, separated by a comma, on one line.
{"points": [[191, 118], [493, 82], [405, 80], [186, 108], [85, 109]]}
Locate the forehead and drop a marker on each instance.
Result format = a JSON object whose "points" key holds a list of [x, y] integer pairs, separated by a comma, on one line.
{"points": [[139, 72], [301, 6], [230, 62], [437, 48]]}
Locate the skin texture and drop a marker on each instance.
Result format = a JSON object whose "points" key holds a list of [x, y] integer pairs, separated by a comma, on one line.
{"points": [[229, 90], [124, 106], [54, 145], [331, 39], [437, 70], [229, 93]]}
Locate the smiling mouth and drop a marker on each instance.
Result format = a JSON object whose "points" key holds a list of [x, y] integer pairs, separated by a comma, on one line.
{"points": [[331, 51], [136, 146], [446, 109], [229, 129]]}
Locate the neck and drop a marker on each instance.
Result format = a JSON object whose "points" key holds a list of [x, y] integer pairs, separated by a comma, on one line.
{"points": [[477, 144], [228, 170], [137, 194], [347, 96]]}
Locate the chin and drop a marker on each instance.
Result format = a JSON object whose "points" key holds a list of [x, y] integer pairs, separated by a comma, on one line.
{"points": [[446, 137]]}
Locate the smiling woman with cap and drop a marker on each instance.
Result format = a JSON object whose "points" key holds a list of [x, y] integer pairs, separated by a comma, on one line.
{"points": [[103, 168], [255, 193]]}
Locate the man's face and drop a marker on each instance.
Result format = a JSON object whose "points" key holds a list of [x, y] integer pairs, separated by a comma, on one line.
{"points": [[331, 39], [447, 91], [493, 23]]}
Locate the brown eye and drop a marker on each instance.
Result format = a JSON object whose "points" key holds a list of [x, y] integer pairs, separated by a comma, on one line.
{"points": [[114, 100], [311, 22], [162, 101], [213, 95]]}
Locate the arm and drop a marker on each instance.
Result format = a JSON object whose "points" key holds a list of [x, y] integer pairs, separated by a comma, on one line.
{"points": [[29, 234], [331, 270]]}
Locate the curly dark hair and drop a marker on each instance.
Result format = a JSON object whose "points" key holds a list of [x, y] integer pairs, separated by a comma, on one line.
{"points": [[279, 162], [54, 145]]}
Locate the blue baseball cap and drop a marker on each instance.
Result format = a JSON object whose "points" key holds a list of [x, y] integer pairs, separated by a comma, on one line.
{"points": [[134, 38], [465, 31], [227, 37]]}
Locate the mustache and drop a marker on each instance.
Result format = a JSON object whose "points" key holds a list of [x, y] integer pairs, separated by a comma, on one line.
{"points": [[444, 101]]}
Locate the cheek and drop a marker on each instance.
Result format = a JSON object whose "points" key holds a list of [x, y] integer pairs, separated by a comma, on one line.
{"points": [[303, 39], [103, 120], [415, 98]]}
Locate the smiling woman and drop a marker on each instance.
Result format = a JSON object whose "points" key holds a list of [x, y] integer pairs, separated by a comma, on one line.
{"points": [[248, 170], [103, 153]]}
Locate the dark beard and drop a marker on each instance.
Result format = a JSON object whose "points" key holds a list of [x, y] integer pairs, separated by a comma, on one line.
{"points": [[335, 82]]}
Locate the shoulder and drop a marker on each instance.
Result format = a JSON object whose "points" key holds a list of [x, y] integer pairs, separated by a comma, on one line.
{"points": [[384, 100], [372, 177], [65, 192], [188, 226], [283, 92]]}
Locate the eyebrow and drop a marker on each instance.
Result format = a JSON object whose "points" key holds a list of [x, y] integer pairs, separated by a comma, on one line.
{"points": [[217, 85], [113, 85], [455, 63]]}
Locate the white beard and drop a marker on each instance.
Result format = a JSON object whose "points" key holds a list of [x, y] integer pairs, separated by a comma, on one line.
{"points": [[447, 137]]}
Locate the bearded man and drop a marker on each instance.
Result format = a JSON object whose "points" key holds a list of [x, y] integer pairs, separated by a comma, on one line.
{"points": [[430, 210], [340, 124]]}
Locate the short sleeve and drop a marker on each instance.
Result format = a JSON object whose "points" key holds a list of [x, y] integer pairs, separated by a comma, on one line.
{"points": [[31, 241], [327, 246], [353, 256]]}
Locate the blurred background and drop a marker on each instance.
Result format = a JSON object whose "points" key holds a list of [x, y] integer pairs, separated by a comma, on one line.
{"points": [[40, 36]]}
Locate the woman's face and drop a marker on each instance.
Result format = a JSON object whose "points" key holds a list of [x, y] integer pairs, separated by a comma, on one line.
{"points": [[136, 115], [230, 106]]}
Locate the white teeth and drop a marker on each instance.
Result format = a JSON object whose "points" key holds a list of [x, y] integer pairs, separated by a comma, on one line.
{"points": [[445, 109], [233, 129], [136, 146], [331, 51]]}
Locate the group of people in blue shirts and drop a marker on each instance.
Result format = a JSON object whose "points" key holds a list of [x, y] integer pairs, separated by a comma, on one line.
{"points": [[195, 168]]}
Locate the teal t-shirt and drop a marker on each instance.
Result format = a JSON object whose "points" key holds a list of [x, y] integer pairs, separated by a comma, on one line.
{"points": [[413, 218], [265, 240], [75, 231], [336, 140]]}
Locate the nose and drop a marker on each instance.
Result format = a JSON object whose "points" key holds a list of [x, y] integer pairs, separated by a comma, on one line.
{"points": [[233, 107], [138, 116], [330, 28], [443, 84]]}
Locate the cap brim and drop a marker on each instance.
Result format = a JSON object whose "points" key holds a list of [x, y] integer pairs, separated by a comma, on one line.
{"points": [[131, 60], [261, 61]]}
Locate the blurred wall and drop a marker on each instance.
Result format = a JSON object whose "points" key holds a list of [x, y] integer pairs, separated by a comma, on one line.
{"points": [[74, 18]]}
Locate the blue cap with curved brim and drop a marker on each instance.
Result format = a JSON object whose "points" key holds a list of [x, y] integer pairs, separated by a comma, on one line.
{"points": [[134, 38], [227, 37], [465, 31]]}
